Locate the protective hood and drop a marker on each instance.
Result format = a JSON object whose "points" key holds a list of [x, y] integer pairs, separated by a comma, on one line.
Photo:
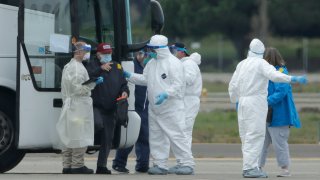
{"points": [[196, 57], [256, 48], [163, 53], [158, 40]]}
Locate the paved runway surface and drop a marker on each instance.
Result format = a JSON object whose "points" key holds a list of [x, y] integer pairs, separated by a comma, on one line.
{"points": [[214, 162]]}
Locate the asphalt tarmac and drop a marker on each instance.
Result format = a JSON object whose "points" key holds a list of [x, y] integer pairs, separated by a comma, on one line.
{"points": [[213, 162]]}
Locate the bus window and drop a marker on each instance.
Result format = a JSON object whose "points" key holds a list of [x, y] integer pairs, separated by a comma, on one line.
{"points": [[43, 18], [10, 2], [87, 22], [140, 21], [96, 22], [107, 29]]}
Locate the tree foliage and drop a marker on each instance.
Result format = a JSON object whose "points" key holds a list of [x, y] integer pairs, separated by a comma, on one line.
{"points": [[197, 19], [238, 20], [295, 17]]}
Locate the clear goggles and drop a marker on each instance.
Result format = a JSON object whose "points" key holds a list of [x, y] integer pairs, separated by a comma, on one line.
{"points": [[151, 48], [175, 49]]}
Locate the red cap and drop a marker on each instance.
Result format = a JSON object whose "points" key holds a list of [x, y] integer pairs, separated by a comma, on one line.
{"points": [[104, 48]]}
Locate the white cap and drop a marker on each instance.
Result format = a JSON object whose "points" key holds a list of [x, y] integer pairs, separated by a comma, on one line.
{"points": [[158, 40], [256, 46]]}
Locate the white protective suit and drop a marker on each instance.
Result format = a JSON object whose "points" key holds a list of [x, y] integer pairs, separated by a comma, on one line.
{"points": [[76, 126], [248, 86], [165, 74], [193, 90]]}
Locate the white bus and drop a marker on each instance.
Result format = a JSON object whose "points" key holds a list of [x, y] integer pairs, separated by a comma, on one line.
{"points": [[30, 74]]}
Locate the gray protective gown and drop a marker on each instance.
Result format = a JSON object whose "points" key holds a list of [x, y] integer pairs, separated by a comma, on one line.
{"points": [[76, 126]]}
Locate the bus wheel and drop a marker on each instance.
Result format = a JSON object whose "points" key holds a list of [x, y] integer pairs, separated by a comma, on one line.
{"points": [[9, 155]]}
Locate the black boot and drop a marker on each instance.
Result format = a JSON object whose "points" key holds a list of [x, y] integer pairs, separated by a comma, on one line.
{"points": [[120, 169], [66, 171], [82, 170], [103, 170]]}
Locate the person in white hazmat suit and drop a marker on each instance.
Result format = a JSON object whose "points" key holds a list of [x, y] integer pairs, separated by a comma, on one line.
{"points": [[163, 76], [248, 87], [75, 126], [193, 80]]}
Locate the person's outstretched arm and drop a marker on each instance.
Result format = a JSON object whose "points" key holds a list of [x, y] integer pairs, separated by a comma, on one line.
{"points": [[272, 74], [138, 79]]}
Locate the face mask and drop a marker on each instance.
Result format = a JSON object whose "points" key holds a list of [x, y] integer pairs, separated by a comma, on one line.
{"points": [[105, 58], [153, 55], [86, 57], [146, 60]]}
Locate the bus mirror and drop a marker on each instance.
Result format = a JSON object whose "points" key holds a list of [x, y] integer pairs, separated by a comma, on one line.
{"points": [[59, 43], [157, 17]]}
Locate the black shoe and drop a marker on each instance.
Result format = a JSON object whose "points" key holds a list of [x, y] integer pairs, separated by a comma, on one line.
{"points": [[103, 170], [120, 169], [66, 171], [142, 170], [82, 170]]}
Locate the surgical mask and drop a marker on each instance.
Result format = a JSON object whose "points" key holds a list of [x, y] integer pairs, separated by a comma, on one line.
{"points": [[146, 60], [86, 57], [153, 55], [105, 58]]}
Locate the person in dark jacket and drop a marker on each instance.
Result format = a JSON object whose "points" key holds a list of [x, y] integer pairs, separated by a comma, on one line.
{"points": [[142, 145], [104, 99]]}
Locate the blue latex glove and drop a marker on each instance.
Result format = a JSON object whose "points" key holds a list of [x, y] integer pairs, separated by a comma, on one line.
{"points": [[299, 79], [99, 80], [126, 74], [237, 105], [161, 97]]}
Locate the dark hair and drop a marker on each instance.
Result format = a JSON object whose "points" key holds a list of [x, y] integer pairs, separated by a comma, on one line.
{"points": [[273, 57]]}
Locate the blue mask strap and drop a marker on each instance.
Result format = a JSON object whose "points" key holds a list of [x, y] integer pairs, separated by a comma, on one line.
{"points": [[155, 47]]}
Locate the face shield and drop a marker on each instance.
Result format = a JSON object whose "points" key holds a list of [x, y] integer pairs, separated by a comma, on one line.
{"points": [[86, 48], [174, 50], [141, 54]]}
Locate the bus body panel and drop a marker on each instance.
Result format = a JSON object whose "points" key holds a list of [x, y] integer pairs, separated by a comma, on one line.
{"points": [[130, 135], [37, 115], [8, 31], [8, 45]]}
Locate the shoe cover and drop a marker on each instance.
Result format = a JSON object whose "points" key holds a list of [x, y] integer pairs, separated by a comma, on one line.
{"points": [[156, 170], [184, 170]]}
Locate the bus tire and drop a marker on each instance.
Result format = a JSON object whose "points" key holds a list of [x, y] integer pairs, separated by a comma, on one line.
{"points": [[10, 156]]}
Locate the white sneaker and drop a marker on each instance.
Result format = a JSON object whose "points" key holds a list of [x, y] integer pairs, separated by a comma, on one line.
{"points": [[284, 173]]}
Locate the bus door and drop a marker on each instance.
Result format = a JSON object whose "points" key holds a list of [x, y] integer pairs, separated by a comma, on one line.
{"points": [[39, 71]]}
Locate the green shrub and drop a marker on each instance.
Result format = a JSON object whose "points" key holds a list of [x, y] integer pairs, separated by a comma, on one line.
{"points": [[222, 127]]}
